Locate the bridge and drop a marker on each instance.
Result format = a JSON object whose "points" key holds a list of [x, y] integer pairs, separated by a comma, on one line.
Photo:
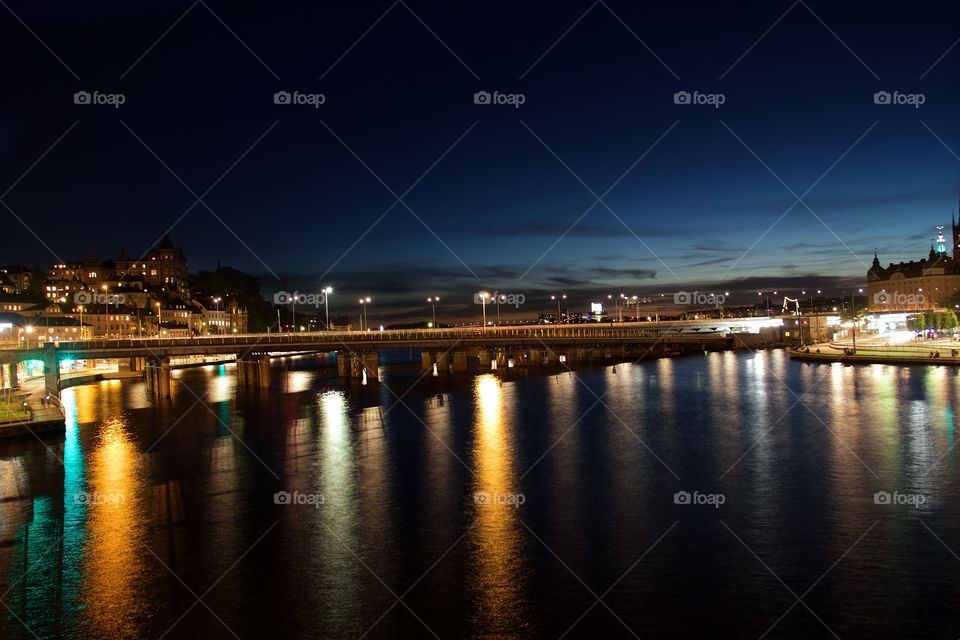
{"points": [[455, 349]]}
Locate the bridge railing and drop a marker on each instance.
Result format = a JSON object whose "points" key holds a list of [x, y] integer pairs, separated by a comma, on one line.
{"points": [[330, 339]]}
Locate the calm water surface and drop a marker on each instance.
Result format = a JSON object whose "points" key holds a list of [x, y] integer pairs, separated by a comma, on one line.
{"points": [[524, 505]]}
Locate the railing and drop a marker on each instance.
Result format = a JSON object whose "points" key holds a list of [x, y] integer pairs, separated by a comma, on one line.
{"points": [[402, 335], [331, 339]]}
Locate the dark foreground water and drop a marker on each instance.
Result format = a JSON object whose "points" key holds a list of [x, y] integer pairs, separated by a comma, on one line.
{"points": [[522, 506]]}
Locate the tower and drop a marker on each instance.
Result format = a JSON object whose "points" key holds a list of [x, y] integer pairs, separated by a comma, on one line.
{"points": [[941, 241]]}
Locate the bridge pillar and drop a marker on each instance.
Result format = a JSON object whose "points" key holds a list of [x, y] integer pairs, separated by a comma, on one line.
{"points": [[484, 358], [370, 360], [343, 364], [552, 356], [10, 380], [520, 358], [253, 371], [426, 360], [157, 374], [443, 362], [51, 370], [365, 362], [460, 361]]}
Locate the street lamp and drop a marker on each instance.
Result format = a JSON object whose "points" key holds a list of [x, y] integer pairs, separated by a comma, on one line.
{"points": [[433, 300], [557, 298], [616, 302], [363, 312], [159, 322], [483, 304], [216, 301], [326, 304]]}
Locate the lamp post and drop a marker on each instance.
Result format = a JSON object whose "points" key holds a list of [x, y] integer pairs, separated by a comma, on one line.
{"points": [[433, 300], [557, 298], [483, 305], [159, 322], [616, 302], [363, 312], [326, 304], [216, 302]]}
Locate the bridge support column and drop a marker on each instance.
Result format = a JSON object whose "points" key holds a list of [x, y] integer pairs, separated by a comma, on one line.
{"points": [[134, 364], [484, 357], [253, 371], [157, 374], [443, 362], [553, 356], [370, 361], [343, 364], [10, 380], [460, 361], [426, 360], [51, 370], [365, 362]]}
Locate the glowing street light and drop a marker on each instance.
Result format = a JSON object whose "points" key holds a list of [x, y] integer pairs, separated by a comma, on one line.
{"points": [[326, 304], [433, 300], [484, 296], [363, 306], [558, 298], [616, 302]]}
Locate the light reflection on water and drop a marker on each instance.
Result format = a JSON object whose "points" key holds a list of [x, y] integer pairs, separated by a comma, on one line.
{"points": [[797, 449]]}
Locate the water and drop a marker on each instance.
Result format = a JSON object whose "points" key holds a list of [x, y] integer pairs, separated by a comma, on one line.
{"points": [[493, 507]]}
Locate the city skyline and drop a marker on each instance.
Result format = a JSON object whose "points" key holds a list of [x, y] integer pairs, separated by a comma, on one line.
{"points": [[403, 181]]}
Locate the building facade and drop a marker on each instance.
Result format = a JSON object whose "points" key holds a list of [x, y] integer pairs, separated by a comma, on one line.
{"points": [[919, 284]]}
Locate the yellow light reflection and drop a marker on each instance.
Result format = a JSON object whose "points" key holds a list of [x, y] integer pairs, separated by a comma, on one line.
{"points": [[496, 538], [114, 566]]}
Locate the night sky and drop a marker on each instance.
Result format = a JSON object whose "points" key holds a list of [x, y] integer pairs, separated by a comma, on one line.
{"points": [[492, 196]]}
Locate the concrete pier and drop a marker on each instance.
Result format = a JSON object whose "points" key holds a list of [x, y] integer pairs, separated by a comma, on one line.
{"points": [[253, 371], [157, 376]]}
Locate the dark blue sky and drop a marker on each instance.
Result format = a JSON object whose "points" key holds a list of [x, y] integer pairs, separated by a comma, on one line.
{"points": [[704, 207]]}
